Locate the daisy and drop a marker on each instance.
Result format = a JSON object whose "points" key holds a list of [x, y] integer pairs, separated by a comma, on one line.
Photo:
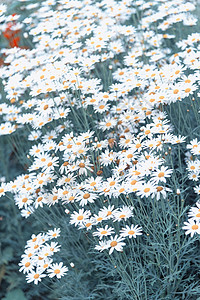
{"points": [[193, 166], [49, 146], [27, 212], [146, 189], [99, 145], [23, 201], [35, 276], [107, 158], [26, 265], [85, 197], [79, 217], [49, 136], [87, 224], [67, 180], [101, 108], [101, 232], [107, 124], [39, 202], [193, 176], [57, 270], [197, 189], [123, 213], [131, 231], [161, 190], [83, 166], [3, 189], [92, 184], [178, 139], [115, 243], [194, 213], [50, 164], [54, 233], [51, 198], [46, 263], [52, 248], [42, 159], [98, 218], [101, 246], [192, 227], [196, 150], [36, 149], [161, 174], [109, 211], [87, 135]]}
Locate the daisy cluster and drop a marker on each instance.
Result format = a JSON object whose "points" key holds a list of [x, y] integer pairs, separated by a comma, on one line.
{"points": [[90, 94], [193, 168], [37, 258], [192, 226]]}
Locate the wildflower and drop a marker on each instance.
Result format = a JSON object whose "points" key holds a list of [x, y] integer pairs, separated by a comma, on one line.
{"points": [[83, 166], [161, 174], [197, 189], [79, 217], [3, 189], [57, 270], [54, 233], [26, 265], [146, 189], [34, 135], [107, 124], [27, 212], [131, 231], [109, 211], [101, 232], [123, 213], [101, 246], [84, 197], [192, 227], [115, 243], [35, 276]]}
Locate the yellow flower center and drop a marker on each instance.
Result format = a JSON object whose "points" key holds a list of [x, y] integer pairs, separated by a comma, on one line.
{"points": [[113, 244], [86, 196], [131, 232], [104, 231], [161, 174], [176, 91], [27, 264], [122, 216], [195, 227], [112, 183], [82, 165], [137, 146]]}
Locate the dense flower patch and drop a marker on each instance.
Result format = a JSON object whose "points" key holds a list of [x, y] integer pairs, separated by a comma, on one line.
{"points": [[93, 94]]}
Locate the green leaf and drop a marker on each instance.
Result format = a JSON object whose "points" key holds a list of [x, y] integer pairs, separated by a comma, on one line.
{"points": [[16, 294], [6, 255]]}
